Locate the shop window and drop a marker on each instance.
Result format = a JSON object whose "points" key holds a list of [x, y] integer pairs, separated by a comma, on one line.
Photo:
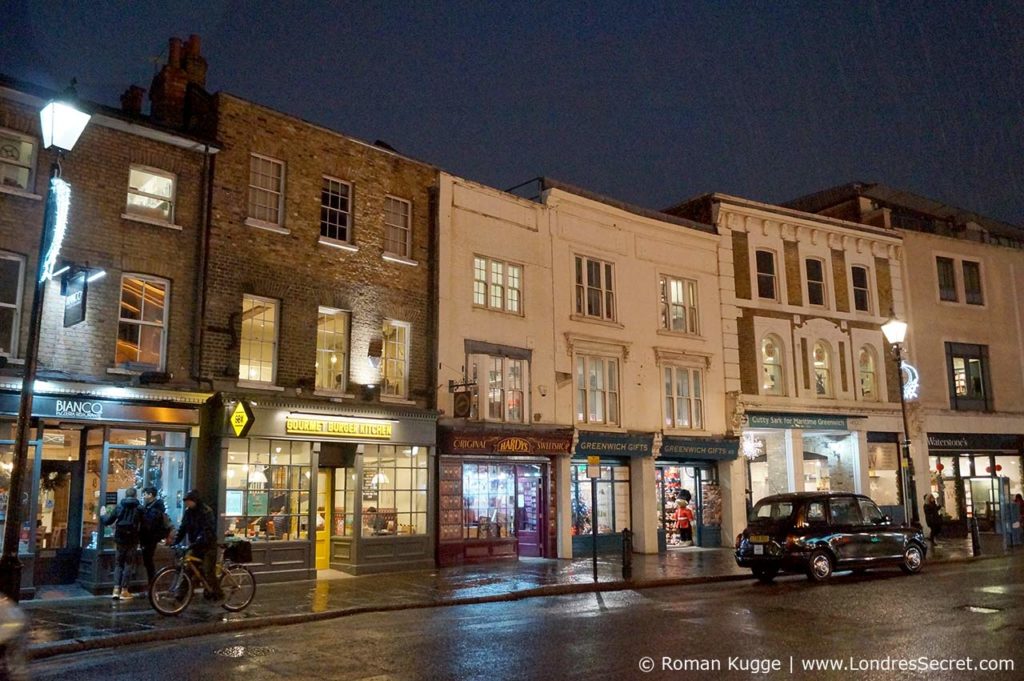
{"points": [[679, 305], [597, 389], [595, 288], [141, 329], [968, 376], [866, 367], [684, 398], [17, 161], [335, 210], [12, 274], [815, 281], [883, 462], [861, 289], [332, 332], [499, 392], [346, 486], [394, 490], [489, 506], [772, 376], [258, 352], [497, 285], [766, 279], [266, 190], [947, 278], [612, 500], [972, 283], [150, 194], [395, 359], [267, 489], [822, 370], [397, 227]]}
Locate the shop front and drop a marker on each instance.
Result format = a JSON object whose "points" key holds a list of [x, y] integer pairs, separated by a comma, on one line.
{"points": [[498, 494], [86, 453], [621, 456], [686, 474], [315, 485], [975, 475]]}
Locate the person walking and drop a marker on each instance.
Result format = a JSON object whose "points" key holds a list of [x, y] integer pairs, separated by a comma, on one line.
{"points": [[199, 529], [155, 528], [932, 517], [126, 519]]}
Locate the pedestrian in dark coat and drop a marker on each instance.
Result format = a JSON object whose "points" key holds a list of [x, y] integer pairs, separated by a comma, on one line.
{"points": [[154, 529], [933, 517], [126, 519]]}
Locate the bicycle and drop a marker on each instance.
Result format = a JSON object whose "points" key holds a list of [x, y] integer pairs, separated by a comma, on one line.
{"points": [[169, 596]]}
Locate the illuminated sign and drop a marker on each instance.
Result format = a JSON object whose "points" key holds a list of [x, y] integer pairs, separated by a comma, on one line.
{"points": [[376, 430], [242, 418], [57, 204], [911, 381]]}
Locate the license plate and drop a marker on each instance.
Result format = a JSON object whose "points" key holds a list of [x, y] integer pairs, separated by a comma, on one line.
{"points": [[758, 549], [758, 539]]}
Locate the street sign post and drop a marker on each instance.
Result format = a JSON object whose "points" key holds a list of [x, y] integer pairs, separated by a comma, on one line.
{"points": [[594, 472]]}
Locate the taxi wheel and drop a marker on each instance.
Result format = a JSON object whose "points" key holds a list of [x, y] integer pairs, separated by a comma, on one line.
{"points": [[819, 566], [765, 575], [913, 560]]}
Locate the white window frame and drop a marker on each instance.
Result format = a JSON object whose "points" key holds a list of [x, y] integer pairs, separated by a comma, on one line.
{"points": [[324, 352], [133, 211], [487, 284], [823, 282], [255, 190], [325, 180], [505, 390], [610, 396], [406, 229], [762, 364], [16, 306], [584, 286], [690, 305], [30, 165], [875, 363], [387, 361], [776, 280], [247, 378], [162, 324], [867, 289], [828, 371], [694, 400]]}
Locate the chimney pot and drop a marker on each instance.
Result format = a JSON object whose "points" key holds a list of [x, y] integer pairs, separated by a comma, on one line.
{"points": [[131, 100], [174, 53], [193, 46]]}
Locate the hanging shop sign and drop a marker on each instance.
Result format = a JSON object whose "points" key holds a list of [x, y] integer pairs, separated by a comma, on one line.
{"points": [[593, 443], [507, 444], [88, 409], [371, 429], [707, 448], [241, 419], [75, 293], [974, 442], [800, 421]]}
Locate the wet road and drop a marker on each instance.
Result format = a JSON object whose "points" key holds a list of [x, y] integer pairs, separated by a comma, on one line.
{"points": [[873, 622]]}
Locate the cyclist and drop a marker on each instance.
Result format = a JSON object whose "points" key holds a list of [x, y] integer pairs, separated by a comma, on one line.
{"points": [[199, 529]]}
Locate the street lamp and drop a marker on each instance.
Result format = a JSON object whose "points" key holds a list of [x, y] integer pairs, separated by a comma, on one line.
{"points": [[61, 124], [895, 331]]}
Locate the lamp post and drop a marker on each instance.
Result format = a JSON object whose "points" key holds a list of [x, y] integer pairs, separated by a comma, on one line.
{"points": [[62, 124], [895, 331]]}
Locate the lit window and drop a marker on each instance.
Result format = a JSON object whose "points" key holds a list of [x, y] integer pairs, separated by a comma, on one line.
{"points": [[822, 370], [765, 274], [12, 274], [684, 398], [500, 388], [258, 353], [395, 359], [861, 289], [947, 278], [266, 189], [335, 211], [17, 161], [497, 285], [972, 283], [396, 226], [150, 194], [866, 369], [142, 323], [679, 305], [815, 281], [969, 378], [595, 288], [771, 363], [597, 390], [332, 349]]}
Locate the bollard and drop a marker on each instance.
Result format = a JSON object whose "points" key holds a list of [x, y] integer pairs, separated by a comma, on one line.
{"points": [[627, 554], [975, 537]]}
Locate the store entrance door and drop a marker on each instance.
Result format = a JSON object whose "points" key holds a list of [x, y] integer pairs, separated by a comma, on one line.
{"points": [[530, 509], [324, 487], [58, 503], [678, 486]]}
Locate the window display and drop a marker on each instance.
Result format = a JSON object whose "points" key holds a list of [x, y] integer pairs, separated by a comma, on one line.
{"points": [[268, 483], [394, 490], [489, 506], [612, 500]]}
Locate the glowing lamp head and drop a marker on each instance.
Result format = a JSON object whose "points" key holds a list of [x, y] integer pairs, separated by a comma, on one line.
{"points": [[895, 330], [62, 124]]}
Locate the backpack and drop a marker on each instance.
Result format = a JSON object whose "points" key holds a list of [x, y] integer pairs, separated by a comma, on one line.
{"points": [[129, 520]]}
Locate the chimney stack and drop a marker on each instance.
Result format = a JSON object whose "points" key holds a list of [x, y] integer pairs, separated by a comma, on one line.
{"points": [[131, 100], [185, 66]]}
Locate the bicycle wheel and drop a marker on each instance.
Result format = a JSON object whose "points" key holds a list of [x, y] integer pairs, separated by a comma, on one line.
{"points": [[163, 592], [239, 587]]}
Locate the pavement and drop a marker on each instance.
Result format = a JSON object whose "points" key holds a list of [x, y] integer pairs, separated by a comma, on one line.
{"points": [[66, 620]]}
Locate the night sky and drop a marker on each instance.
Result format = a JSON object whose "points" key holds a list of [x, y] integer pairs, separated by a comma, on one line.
{"points": [[649, 103]]}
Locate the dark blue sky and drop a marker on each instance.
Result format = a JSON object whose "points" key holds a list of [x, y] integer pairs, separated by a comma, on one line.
{"points": [[646, 102]]}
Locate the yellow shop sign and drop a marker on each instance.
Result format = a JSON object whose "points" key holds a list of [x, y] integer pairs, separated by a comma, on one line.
{"points": [[295, 425]]}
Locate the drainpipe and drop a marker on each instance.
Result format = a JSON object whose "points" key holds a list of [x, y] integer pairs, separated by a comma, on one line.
{"points": [[202, 262]]}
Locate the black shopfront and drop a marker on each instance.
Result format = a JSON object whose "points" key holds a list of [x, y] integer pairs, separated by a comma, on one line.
{"points": [[687, 471]]}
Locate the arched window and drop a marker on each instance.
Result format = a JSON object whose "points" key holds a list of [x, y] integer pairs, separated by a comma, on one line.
{"points": [[772, 376], [866, 369], [822, 370]]}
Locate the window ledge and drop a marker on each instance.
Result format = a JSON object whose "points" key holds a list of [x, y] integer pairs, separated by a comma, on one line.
{"points": [[18, 361], [121, 371], [15, 191], [596, 320], [397, 400], [333, 394], [268, 226], [260, 386], [603, 427], [340, 245], [680, 334], [391, 257], [686, 431], [497, 310], [151, 221]]}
